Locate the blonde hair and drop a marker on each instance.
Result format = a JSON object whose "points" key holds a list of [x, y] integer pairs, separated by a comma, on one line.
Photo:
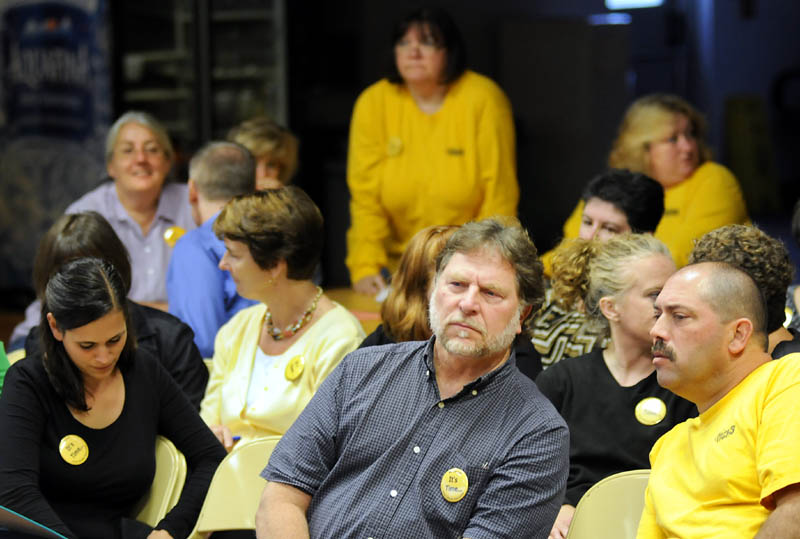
{"points": [[264, 137], [586, 270], [405, 310], [645, 121]]}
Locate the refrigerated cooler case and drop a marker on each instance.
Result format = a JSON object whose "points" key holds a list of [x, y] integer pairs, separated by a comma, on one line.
{"points": [[202, 66]]}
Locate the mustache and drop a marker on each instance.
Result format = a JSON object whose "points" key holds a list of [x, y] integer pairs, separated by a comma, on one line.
{"points": [[660, 347], [458, 319]]}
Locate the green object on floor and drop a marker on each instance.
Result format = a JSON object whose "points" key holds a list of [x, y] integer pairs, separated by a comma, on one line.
{"points": [[3, 365]]}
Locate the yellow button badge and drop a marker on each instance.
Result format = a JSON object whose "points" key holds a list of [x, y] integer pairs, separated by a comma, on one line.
{"points": [[650, 411], [394, 146], [173, 234], [73, 449], [454, 484], [294, 368]]}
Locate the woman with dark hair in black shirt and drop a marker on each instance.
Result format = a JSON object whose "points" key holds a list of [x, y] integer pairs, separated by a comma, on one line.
{"points": [[79, 421]]}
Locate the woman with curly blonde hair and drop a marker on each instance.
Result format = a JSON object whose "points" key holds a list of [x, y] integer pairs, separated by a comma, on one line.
{"points": [[610, 398], [664, 137]]}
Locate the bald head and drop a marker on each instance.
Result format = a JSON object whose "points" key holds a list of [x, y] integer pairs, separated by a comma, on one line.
{"points": [[731, 293]]}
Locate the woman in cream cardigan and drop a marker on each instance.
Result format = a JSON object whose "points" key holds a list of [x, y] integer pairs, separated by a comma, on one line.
{"points": [[270, 358]]}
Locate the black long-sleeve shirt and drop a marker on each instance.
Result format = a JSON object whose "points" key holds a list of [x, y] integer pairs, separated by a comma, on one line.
{"points": [[91, 499]]}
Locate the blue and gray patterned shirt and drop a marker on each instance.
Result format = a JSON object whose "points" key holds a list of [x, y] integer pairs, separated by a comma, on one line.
{"points": [[375, 443]]}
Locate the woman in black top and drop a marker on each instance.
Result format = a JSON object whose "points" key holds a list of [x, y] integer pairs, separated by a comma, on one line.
{"points": [[610, 398], [79, 421]]}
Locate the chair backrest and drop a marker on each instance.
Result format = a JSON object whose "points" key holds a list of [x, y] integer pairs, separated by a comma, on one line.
{"points": [[15, 356], [611, 509], [235, 490], [167, 484]]}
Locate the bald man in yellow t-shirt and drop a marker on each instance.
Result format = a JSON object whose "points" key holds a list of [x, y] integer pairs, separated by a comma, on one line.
{"points": [[733, 471]]}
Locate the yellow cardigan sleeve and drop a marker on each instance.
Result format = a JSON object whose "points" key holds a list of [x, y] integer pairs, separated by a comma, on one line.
{"points": [[369, 224], [330, 347], [239, 332], [571, 228], [497, 158], [211, 405]]}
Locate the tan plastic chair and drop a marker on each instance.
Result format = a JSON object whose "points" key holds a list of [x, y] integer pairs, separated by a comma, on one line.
{"points": [[235, 490], [167, 484], [611, 509]]}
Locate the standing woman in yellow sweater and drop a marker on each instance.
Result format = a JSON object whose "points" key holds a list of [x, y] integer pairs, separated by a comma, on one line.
{"points": [[663, 136], [431, 145]]}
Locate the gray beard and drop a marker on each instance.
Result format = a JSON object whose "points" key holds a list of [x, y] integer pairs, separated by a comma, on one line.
{"points": [[490, 346]]}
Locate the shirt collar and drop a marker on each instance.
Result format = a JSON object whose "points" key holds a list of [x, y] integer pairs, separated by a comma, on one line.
{"points": [[164, 211], [209, 223], [166, 206], [499, 373]]}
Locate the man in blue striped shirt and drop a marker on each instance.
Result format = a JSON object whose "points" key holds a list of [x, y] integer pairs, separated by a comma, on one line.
{"points": [[441, 438]]}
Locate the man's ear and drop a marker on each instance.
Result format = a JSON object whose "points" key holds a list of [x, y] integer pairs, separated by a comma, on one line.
{"points": [[192, 191], [741, 331], [57, 333], [524, 316], [608, 307]]}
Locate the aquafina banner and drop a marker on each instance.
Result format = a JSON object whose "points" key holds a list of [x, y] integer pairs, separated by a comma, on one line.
{"points": [[55, 108]]}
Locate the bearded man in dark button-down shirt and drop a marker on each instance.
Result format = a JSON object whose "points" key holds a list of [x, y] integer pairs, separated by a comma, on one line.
{"points": [[441, 438]]}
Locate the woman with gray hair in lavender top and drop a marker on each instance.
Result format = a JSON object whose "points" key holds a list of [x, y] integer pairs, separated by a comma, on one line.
{"points": [[142, 207]]}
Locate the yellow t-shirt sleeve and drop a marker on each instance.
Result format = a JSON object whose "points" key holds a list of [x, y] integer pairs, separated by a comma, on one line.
{"points": [[778, 435]]}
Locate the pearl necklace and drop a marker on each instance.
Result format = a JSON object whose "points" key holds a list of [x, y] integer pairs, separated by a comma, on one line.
{"points": [[291, 330]]}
